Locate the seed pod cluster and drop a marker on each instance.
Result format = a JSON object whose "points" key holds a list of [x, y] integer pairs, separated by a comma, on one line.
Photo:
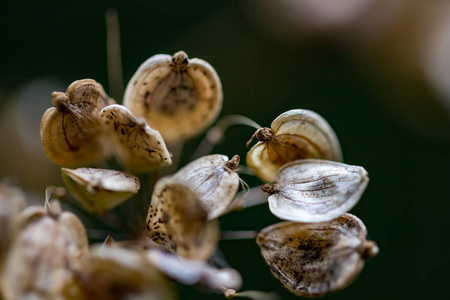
{"points": [[176, 95], [313, 260], [70, 132]]}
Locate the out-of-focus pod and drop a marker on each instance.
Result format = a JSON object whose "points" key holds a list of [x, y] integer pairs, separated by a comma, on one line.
{"points": [[99, 190]]}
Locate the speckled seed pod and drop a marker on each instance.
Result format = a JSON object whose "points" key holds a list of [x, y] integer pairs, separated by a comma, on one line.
{"points": [[138, 147], [315, 190], [313, 260], [295, 134], [118, 274], [99, 190], [177, 221], [178, 96], [70, 132], [47, 250], [194, 272], [213, 178]]}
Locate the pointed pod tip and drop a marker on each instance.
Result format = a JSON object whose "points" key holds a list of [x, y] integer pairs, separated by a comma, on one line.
{"points": [[233, 163], [369, 249], [269, 188]]}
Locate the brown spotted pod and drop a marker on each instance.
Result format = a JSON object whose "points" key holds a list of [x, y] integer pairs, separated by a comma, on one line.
{"points": [[138, 147], [71, 133], [192, 272], [177, 221], [295, 134], [178, 96], [46, 251], [315, 190], [213, 178], [116, 273], [313, 260], [99, 190]]}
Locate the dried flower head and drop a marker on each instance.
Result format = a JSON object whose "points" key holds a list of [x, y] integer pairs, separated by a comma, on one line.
{"points": [[315, 190], [138, 147], [99, 190], [176, 95], [295, 134], [70, 132], [316, 259]]}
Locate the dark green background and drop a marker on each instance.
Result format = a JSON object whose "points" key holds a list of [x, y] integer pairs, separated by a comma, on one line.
{"points": [[406, 206]]}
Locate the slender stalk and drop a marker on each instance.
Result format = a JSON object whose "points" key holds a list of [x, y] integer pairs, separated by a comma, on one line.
{"points": [[114, 59]]}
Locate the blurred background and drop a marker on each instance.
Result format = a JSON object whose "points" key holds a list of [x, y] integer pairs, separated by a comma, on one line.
{"points": [[377, 71]]}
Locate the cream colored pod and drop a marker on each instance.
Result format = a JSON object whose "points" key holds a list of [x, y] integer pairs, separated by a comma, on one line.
{"points": [[138, 147], [47, 250], [177, 221], [70, 132], [295, 134], [99, 190], [213, 178], [178, 96], [313, 260], [315, 190]]}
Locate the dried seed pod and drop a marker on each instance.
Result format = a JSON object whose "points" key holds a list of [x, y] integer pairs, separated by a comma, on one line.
{"points": [[315, 190], [138, 147], [118, 274], [194, 272], [48, 248], [177, 221], [213, 178], [316, 259], [295, 134], [70, 132], [176, 95], [99, 190]]}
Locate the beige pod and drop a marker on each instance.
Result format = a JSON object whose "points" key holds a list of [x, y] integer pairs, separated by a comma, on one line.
{"points": [[295, 134], [315, 190], [47, 250], [138, 147], [178, 96], [213, 178], [313, 260], [70, 132], [99, 190], [177, 221]]}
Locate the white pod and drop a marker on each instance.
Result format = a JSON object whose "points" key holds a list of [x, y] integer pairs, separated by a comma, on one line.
{"points": [[313, 260], [138, 147], [70, 132], [213, 178], [178, 96], [295, 134], [99, 190], [315, 190], [177, 221]]}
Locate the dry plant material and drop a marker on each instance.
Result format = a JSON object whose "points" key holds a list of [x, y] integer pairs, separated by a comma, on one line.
{"points": [[46, 251], [315, 190], [213, 178], [176, 95], [316, 259], [12, 200], [177, 221], [194, 272], [99, 190], [70, 132], [138, 147], [295, 134], [118, 274]]}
